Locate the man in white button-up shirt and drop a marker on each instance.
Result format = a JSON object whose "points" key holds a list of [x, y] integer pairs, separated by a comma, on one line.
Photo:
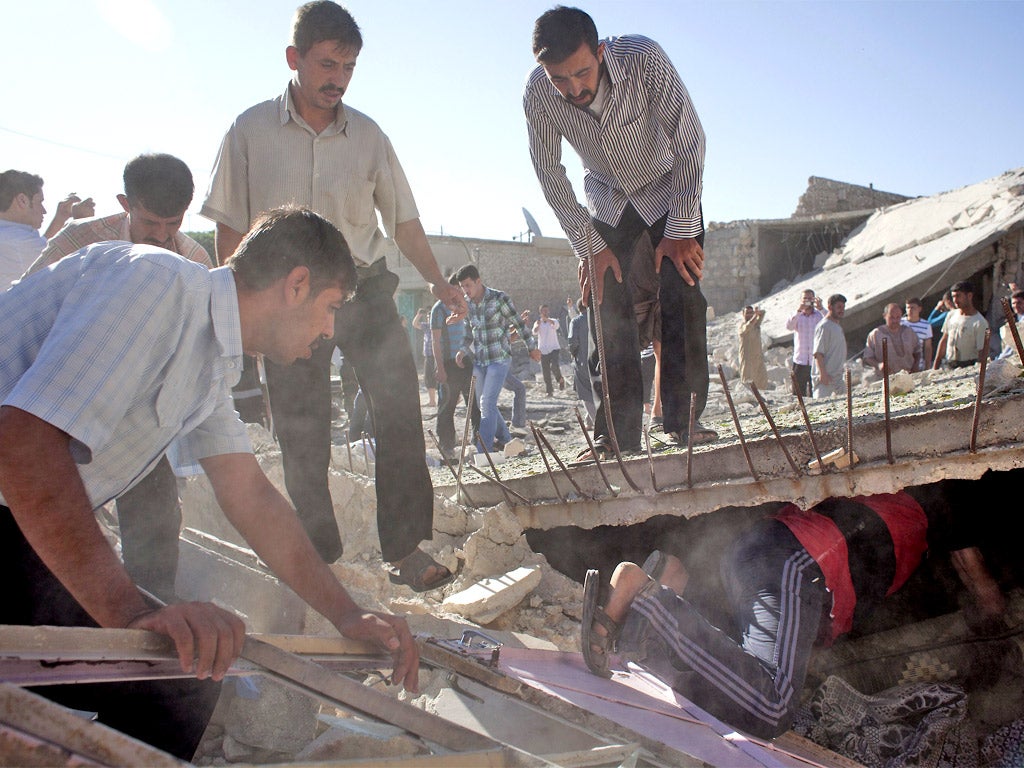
{"points": [[308, 148], [112, 354]]}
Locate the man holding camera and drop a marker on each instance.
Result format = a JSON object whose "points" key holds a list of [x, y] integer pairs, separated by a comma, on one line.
{"points": [[808, 315]]}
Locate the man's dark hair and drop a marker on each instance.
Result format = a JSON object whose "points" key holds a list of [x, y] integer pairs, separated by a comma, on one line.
{"points": [[285, 238], [835, 298], [962, 287], [14, 183], [1017, 295], [323, 20], [558, 33], [161, 183], [467, 272], [914, 300]]}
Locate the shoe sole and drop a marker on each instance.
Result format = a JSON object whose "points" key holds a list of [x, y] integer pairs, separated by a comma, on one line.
{"points": [[598, 663], [654, 565]]}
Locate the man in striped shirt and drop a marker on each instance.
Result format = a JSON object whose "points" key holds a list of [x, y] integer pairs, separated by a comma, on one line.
{"points": [[157, 191], [922, 329], [621, 104]]}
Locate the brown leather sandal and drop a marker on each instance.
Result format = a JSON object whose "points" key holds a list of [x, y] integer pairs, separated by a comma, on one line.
{"points": [[414, 569], [596, 647]]}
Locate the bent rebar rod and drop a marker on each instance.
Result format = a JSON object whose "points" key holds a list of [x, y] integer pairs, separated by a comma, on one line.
{"points": [[775, 430]]}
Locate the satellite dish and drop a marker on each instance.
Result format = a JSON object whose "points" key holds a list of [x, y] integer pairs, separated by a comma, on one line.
{"points": [[531, 224]]}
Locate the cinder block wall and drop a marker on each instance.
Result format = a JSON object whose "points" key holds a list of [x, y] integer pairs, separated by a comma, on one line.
{"points": [[829, 196]]}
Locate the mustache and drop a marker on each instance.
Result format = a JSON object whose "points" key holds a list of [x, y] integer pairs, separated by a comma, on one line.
{"points": [[330, 90]]}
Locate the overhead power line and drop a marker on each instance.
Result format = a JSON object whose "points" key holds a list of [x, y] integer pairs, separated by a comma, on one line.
{"points": [[61, 144]]}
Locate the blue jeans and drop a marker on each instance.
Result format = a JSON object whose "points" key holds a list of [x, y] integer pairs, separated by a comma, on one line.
{"points": [[489, 381], [518, 390]]}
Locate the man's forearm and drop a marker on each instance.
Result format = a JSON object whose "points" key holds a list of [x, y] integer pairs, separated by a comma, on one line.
{"points": [[45, 493], [977, 579], [435, 344], [819, 361], [412, 242], [225, 242], [269, 524]]}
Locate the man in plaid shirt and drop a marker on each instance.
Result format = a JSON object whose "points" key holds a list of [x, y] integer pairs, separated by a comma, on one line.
{"points": [[491, 313]]}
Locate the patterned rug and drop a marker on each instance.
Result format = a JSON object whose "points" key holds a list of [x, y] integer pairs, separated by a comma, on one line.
{"points": [[920, 724]]}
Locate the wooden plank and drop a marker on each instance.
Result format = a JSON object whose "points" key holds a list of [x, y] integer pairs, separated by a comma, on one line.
{"points": [[313, 678], [29, 672], [491, 758], [23, 749], [613, 754], [467, 665], [32, 714], [805, 748], [321, 645], [58, 643]]}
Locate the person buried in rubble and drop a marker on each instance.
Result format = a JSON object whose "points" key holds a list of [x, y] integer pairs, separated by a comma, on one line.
{"points": [[114, 353], [784, 589]]}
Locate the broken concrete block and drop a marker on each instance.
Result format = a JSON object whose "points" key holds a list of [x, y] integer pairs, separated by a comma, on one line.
{"points": [[352, 739], [901, 382], [272, 717], [235, 751], [514, 447], [480, 459], [488, 599], [839, 458]]}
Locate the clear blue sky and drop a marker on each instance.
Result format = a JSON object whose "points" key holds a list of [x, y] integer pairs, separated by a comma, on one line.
{"points": [[913, 97]]}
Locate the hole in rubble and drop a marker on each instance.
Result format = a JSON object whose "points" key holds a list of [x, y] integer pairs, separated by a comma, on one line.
{"points": [[934, 589]]}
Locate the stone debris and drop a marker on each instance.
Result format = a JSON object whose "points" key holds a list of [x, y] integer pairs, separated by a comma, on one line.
{"points": [[488, 599], [266, 715], [352, 738], [513, 448]]}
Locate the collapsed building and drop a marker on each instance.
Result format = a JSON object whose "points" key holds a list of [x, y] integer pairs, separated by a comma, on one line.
{"points": [[503, 682]]}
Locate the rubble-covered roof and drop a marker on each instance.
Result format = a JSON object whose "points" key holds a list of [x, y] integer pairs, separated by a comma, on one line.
{"points": [[919, 241]]}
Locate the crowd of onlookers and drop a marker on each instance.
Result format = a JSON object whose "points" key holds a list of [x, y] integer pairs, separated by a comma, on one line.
{"points": [[953, 335]]}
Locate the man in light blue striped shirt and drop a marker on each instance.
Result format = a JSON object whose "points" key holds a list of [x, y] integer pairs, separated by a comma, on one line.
{"points": [[108, 357], [622, 106]]}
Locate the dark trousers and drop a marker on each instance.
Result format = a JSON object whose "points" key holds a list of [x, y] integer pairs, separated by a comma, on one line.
{"points": [[370, 335], [168, 714], [549, 367], [457, 384], [248, 394], [750, 677], [684, 346], [803, 379], [360, 422], [149, 516]]}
